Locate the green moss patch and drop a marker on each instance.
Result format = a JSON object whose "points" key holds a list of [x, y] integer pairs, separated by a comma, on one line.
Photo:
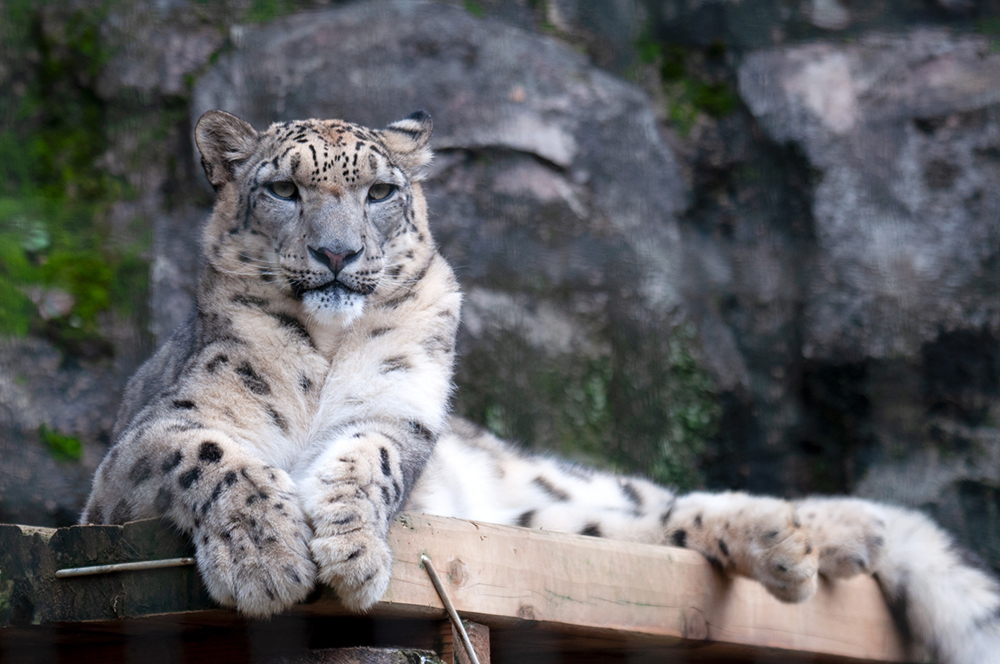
{"points": [[646, 407], [62, 448], [693, 80], [54, 195]]}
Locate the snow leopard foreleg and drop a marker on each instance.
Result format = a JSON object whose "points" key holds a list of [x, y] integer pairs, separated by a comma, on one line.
{"points": [[352, 492], [251, 537], [384, 413]]}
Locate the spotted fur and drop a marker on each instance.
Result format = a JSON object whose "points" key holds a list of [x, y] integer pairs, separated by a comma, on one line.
{"points": [[305, 404]]}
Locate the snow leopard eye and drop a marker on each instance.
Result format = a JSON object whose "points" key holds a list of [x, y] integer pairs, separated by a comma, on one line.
{"points": [[380, 191], [284, 190]]}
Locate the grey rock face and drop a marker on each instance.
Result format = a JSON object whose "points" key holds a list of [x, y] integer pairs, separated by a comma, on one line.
{"points": [[156, 55], [174, 269], [906, 133], [746, 26], [37, 391]]}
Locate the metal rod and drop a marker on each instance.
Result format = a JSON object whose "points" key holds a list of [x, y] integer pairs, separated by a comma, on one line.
{"points": [[450, 608], [123, 567]]}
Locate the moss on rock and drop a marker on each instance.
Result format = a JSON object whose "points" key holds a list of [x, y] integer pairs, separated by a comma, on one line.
{"points": [[54, 194], [641, 405]]}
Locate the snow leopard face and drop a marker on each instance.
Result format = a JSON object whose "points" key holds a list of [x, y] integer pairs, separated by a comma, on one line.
{"points": [[320, 209]]}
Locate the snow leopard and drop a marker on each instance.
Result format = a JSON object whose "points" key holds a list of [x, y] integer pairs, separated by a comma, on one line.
{"points": [[305, 403]]}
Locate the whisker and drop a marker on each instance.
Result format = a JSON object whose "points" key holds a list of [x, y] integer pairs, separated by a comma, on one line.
{"points": [[246, 259], [249, 274]]}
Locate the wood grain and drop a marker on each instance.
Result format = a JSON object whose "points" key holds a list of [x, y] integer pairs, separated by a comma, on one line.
{"points": [[496, 574]]}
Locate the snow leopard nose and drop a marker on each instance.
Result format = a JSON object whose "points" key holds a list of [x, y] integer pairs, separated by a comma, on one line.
{"points": [[334, 259]]}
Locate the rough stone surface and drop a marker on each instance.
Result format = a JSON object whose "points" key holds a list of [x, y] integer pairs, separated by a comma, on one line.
{"points": [[906, 134], [77, 399], [746, 26], [156, 56], [174, 269]]}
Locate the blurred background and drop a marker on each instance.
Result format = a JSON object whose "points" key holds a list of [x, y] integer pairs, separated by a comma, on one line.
{"points": [[723, 244]]}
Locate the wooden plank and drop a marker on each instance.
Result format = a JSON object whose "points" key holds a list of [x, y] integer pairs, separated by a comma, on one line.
{"points": [[584, 583], [614, 592], [31, 595]]}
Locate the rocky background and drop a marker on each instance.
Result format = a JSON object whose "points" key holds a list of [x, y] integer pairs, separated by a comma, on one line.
{"points": [[724, 244]]}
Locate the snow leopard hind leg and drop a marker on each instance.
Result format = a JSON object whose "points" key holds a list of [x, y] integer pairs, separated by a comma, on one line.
{"points": [[946, 605], [476, 476]]}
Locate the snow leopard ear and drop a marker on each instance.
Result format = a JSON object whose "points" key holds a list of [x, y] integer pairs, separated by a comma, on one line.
{"points": [[224, 140], [407, 140]]}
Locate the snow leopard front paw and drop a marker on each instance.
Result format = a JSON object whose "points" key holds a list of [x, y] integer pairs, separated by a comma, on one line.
{"points": [[848, 532], [357, 564], [252, 546], [350, 543], [350, 496]]}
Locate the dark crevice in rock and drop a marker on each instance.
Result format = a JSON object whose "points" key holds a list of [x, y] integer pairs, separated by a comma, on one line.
{"points": [[961, 375], [837, 427]]}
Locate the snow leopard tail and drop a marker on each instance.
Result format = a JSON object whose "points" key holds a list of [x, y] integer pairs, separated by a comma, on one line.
{"points": [[944, 599]]}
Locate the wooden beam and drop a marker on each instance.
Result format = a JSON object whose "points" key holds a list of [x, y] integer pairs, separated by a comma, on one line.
{"points": [[498, 574], [502, 577]]}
